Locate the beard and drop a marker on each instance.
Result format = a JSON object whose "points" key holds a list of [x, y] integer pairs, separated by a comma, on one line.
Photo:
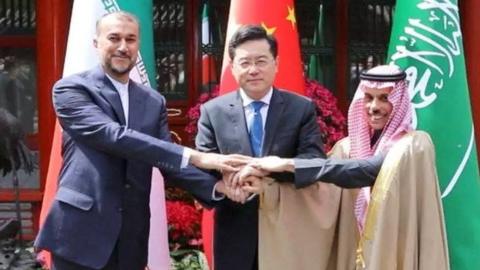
{"points": [[120, 69]]}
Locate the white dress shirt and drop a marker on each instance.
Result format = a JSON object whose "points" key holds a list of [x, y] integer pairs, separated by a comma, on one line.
{"points": [[249, 113], [122, 89]]}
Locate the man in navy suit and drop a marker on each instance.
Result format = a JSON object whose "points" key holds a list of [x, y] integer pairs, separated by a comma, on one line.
{"points": [[114, 132], [283, 125]]}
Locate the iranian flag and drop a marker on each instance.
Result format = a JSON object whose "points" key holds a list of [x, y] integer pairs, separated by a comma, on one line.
{"points": [[427, 41], [80, 56], [209, 74]]}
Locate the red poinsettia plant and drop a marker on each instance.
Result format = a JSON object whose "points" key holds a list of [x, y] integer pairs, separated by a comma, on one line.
{"points": [[193, 113], [330, 119], [183, 225]]}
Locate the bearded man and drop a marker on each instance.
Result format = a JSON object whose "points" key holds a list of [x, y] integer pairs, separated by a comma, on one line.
{"points": [[395, 225], [114, 131]]}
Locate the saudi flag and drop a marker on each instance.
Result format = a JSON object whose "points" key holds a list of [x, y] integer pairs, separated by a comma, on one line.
{"points": [[427, 42], [81, 56], [315, 65]]}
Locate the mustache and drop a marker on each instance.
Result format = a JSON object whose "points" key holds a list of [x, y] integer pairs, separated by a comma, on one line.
{"points": [[375, 112], [121, 54]]}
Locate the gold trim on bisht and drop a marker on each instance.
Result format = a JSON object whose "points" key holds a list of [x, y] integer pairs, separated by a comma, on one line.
{"points": [[379, 193]]}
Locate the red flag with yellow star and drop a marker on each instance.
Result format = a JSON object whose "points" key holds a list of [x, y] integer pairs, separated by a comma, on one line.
{"points": [[278, 18]]}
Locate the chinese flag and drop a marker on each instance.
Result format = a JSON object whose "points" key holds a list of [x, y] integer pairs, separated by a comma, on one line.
{"points": [[278, 18]]}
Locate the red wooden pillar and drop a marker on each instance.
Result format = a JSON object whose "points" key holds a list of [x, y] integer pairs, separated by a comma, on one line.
{"points": [[53, 17], [471, 42]]}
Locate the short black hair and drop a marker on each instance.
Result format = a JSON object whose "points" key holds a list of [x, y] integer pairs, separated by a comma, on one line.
{"points": [[248, 33]]}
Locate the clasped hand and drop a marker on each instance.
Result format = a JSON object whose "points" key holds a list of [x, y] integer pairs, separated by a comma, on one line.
{"points": [[245, 180]]}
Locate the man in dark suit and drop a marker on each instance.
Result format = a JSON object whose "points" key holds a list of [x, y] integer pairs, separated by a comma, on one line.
{"points": [[256, 120], [114, 131]]}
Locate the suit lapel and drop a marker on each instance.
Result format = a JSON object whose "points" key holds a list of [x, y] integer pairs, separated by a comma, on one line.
{"points": [[275, 112], [136, 106], [108, 91], [237, 116]]}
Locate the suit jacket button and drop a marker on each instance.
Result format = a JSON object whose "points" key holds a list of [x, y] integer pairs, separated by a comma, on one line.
{"points": [[127, 186], [120, 209]]}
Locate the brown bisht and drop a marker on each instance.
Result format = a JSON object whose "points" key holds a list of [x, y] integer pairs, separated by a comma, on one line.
{"points": [[315, 227]]}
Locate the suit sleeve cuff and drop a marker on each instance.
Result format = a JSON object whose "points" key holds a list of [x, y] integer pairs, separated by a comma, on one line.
{"points": [[217, 196]]}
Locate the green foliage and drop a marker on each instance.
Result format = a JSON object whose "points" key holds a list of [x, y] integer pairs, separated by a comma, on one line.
{"points": [[189, 259]]}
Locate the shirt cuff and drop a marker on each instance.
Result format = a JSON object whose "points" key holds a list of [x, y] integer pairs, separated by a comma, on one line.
{"points": [[187, 152], [217, 196], [253, 195]]}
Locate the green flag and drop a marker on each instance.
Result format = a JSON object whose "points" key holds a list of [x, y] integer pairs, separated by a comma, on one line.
{"points": [[314, 62], [426, 41], [143, 9]]}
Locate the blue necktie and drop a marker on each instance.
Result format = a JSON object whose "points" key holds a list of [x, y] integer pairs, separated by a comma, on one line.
{"points": [[256, 128]]}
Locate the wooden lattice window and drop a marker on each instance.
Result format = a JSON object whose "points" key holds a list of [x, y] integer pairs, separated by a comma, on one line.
{"points": [[370, 24], [170, 48], [316, 27]]}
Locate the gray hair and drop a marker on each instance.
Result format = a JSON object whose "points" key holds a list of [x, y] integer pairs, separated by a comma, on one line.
{"points": [[122, 15]]}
